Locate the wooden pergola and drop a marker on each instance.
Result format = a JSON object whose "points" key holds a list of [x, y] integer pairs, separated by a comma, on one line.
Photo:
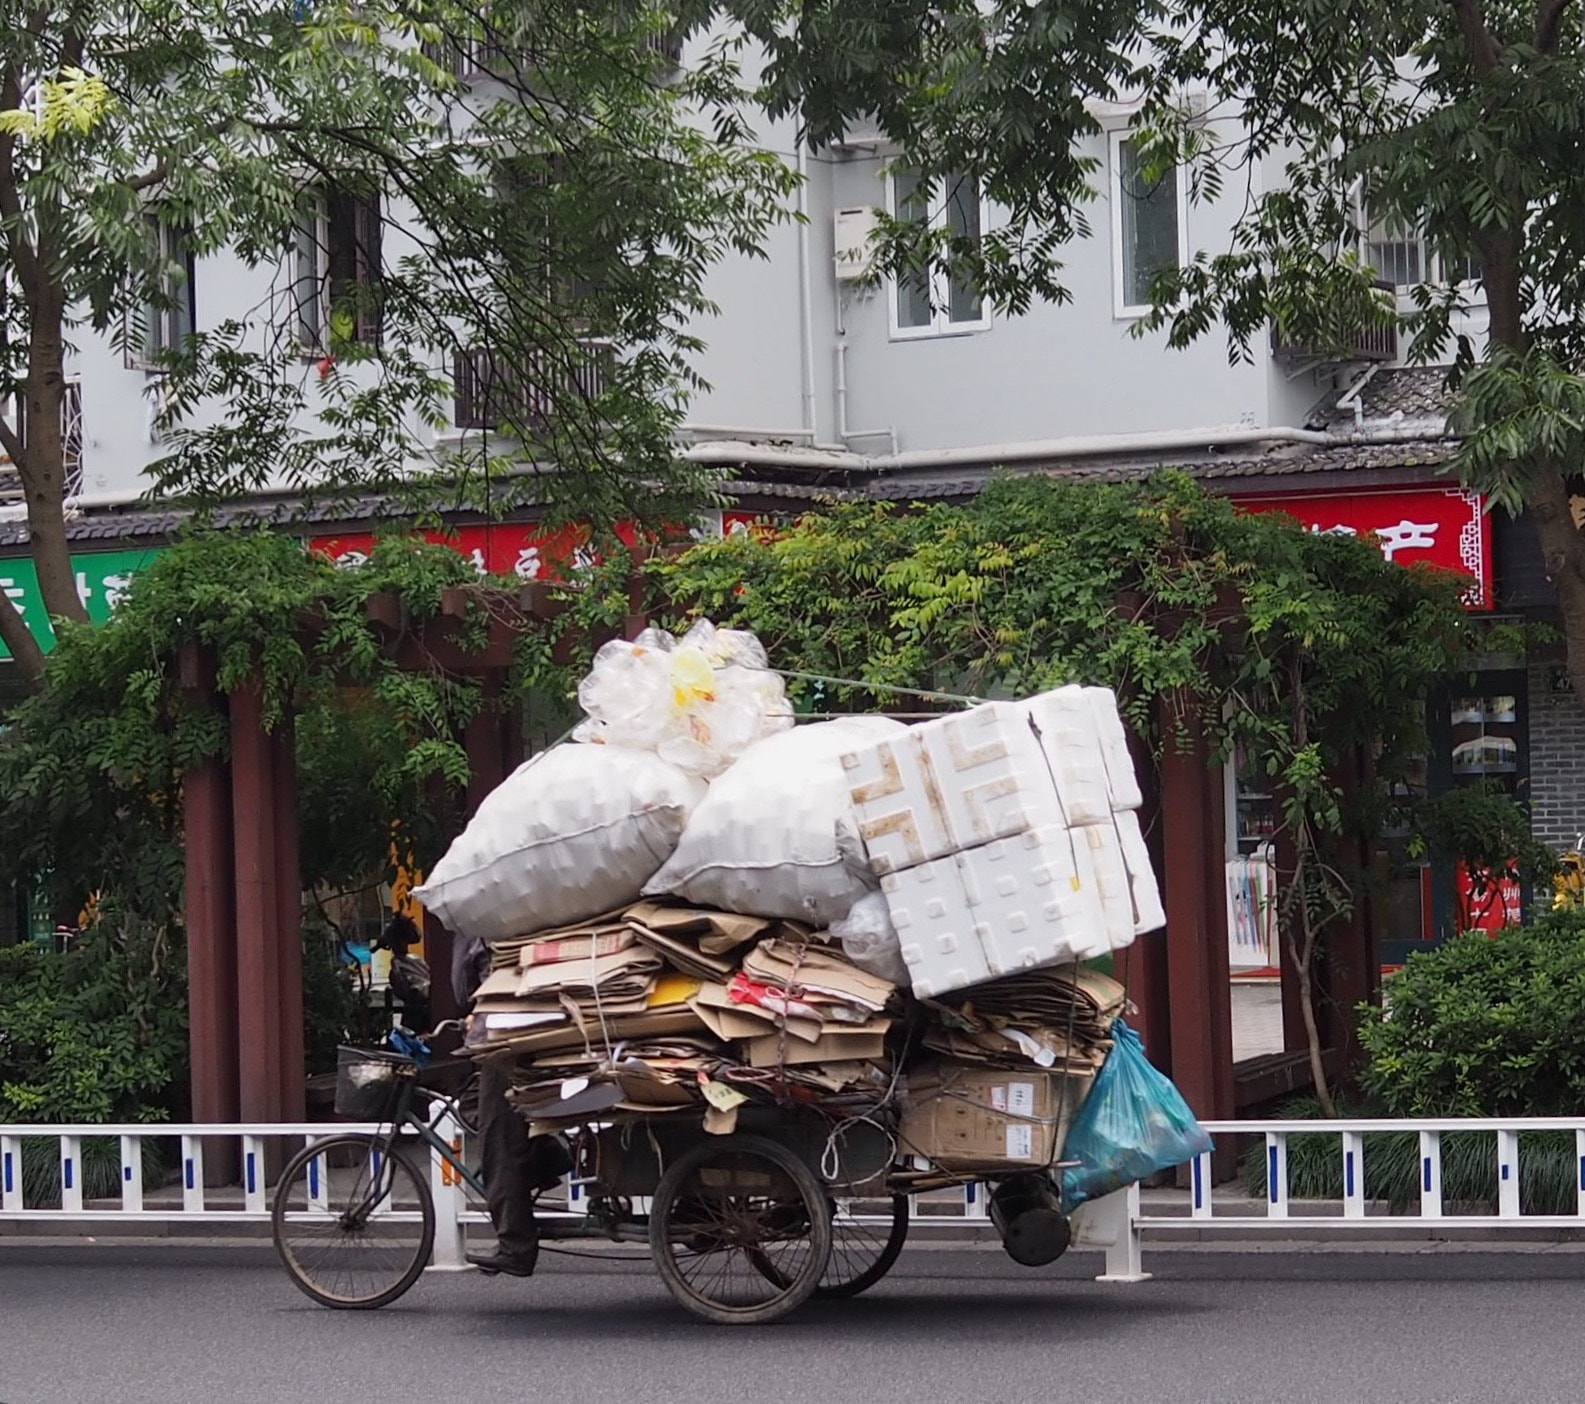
{"points": [[244, 895]]}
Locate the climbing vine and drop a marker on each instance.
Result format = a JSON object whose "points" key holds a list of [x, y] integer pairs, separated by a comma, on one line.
{"points": [[1301, 651]]}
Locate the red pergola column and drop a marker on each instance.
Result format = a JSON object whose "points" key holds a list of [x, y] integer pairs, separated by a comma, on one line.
{"points": [[211, 950], [1200, 1001], [1143, 966], [258, 987], [288, 931]]}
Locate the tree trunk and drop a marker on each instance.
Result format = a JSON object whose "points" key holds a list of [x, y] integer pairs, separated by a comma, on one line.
{"points": [[43, 466], [1563, 557]]}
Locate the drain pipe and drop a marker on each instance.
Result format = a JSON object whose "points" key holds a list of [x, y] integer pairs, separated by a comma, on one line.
{"points": [[806, 314]]}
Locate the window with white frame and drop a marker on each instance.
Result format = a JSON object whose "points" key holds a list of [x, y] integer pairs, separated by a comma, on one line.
{"points": [[936, 303], [166, 319], [336, 263], [1403, 256], [1149, 225]]}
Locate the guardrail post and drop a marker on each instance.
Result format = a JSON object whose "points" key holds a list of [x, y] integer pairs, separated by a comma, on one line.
{"points": [[11, 1197], [1200, 1185], [445, 1186], [1508, 1174], [253, 1174], [1430, 1174], [1353, 1175], [193, 1174], [72, 1174], [1579, 1151], [132, 1174], [1116, 1214], [1276, 1175]]}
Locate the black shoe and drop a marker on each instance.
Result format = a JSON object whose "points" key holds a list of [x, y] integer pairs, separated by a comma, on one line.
{"points": [[507, 1264]]}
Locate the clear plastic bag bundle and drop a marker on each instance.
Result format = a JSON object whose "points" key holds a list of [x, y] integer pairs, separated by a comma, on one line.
{"points": [[1134, 1124], [698, 702]]}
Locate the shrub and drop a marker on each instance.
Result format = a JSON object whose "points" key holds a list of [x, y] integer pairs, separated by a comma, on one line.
{"points": [[95, 1033], [1484, 1026]]}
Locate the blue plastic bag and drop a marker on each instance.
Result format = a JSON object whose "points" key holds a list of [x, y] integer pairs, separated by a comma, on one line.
{"points": [[1133, 1124]]}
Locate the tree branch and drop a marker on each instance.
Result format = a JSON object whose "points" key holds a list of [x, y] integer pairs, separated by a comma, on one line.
{"points": [[1484, 51], [1548, 20], [11, 443], [18, 638]]}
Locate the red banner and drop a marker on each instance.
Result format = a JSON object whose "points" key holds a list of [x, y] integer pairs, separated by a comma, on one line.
{"points": [[1443, 527], [528, 550]]}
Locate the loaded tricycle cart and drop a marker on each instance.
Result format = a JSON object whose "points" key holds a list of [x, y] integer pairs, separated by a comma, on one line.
{"points": [[795, 1202]]}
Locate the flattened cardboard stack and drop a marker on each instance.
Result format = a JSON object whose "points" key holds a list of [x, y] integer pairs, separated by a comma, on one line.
{"points": [[664, 1007]]}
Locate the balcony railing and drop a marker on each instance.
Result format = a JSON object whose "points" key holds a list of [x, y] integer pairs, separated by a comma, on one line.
{"points": [[15, 413], [1377, 341], [488, 394]]}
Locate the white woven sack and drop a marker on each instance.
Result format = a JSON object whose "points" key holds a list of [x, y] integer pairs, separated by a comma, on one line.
{"points": [[574, 832], [776, 835]]}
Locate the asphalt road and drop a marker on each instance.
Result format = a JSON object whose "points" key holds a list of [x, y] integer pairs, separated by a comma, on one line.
{"points": [[179, 1325]]}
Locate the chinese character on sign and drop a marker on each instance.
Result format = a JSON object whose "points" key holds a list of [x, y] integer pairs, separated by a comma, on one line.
{"points": [[351, 560], [1319, 530], [583, 557], [528, 564], [116, 586], [84, 590], [476, 559], [14, 593], [1406, 536]]}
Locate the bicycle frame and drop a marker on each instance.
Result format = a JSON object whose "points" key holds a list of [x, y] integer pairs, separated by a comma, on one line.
{"points": [[406, 1118]]}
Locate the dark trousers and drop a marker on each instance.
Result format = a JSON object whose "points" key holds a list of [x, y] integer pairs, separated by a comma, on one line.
{"points": [[508, 1177]]}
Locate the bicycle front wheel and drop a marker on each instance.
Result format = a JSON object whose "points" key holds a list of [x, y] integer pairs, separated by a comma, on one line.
{"points": [[354, 1222]]}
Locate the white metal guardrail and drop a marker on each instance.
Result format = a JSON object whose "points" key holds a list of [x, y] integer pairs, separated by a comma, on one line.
{"points": [[189, 1201], [1119, 1223], [1116, 1224]]}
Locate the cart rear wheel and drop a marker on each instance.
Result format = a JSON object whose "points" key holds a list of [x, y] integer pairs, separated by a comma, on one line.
{"points": [[353, 1222], [740, 1230], [862, 1253]]}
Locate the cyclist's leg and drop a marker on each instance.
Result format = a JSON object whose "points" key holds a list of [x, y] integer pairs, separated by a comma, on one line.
{"points": [[508, 1166]]}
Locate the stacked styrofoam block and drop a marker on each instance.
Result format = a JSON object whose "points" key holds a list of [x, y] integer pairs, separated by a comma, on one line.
{"points": [[1005, 837]]}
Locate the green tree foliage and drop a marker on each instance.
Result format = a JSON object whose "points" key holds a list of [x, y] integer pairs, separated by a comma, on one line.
{"points": [[1457, 121], [551, 213]]}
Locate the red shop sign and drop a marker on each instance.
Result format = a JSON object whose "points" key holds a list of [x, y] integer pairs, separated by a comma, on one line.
{"points": [[1443, 527], [527, 550]]}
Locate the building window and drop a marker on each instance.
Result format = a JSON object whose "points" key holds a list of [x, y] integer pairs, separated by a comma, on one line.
{"points": [[1402, 255], [935, 303], [336, 269], [167, 318], [1149, 227]]}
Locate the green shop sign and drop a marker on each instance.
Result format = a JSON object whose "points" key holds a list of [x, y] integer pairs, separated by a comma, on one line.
{"points": [[102, 579]]}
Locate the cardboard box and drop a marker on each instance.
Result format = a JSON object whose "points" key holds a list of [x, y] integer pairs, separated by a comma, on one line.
{"points": [[968, 1118]]}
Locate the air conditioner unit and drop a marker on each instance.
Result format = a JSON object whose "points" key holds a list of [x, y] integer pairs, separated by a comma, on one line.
{"points": [[853, 230]]}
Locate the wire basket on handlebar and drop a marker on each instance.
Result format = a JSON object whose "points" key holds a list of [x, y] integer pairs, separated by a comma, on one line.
{"points": [[369, 1081]]}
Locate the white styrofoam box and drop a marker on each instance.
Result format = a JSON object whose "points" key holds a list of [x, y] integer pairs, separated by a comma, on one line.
{"points": [[1121, 780], [935, 928], [952, 784], [1064, 720], [1098, 933], [898, 821], [1148, 913], [1029, 904], [1111, 877]]}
